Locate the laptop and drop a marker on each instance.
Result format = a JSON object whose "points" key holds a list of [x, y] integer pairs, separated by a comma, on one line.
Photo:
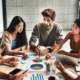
{"points": [[67, 59]]}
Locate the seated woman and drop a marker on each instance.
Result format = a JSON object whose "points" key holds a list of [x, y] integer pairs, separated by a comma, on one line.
{"points": [[66, 75], [10, 77], [14, 38], [74, 38]]}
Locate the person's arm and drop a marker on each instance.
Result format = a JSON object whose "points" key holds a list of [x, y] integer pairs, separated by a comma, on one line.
{"points": [[6, 46], [59, 34], [62, 42], [20, 48], [69, 54], [34, 38], [65, 74], [11, 77], [3, 75], [59, 45], [9, 59]]}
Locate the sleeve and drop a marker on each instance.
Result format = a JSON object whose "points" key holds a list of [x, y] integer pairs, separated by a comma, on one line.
{"points": [[59, 34], [34, 37], [6, 44]]}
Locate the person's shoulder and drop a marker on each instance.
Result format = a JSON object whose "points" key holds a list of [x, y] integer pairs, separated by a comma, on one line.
{"points": [[6, 33], [57, 25], [37, 26], [69, 35]]}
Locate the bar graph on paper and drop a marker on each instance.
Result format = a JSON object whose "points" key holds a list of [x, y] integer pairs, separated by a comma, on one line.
{"points": [[37, 77]]}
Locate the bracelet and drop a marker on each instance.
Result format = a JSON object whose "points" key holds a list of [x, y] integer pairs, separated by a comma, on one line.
{"points": [[50, 50]]}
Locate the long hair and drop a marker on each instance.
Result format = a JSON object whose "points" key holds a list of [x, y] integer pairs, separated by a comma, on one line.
{"points": [[21, 37], [78, 22]]}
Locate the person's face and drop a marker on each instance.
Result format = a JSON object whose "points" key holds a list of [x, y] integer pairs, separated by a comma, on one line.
{"points": [[19, 27], [47, 22], [75, 29]]}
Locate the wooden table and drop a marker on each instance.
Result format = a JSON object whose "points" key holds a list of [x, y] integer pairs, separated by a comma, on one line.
{"points": [[7, 69]]}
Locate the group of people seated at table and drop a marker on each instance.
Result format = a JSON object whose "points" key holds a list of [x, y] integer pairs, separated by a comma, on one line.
{"points": [[48, 33]]}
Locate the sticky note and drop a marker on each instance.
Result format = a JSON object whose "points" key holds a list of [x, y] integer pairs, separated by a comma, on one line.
{"points": [[52, 58]]}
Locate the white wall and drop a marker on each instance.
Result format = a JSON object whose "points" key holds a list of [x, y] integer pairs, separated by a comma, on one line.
{"points": [[30, 11], [1, 17]]}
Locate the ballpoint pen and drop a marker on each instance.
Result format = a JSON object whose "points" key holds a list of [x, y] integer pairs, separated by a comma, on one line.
{"points": [[39, 53], [25, 71], [20, 62], [29, 57]]}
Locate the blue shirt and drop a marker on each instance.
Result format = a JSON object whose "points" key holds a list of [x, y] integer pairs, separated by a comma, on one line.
{"points": [[13, 44]]}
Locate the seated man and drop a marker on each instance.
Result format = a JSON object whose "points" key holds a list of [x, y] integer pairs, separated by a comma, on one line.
{"points": [[10, 77], [48, 33]]}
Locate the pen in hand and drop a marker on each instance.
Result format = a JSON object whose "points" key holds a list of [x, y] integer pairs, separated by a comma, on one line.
{"points": [[29, 57], [39, 53], [25, 71]]}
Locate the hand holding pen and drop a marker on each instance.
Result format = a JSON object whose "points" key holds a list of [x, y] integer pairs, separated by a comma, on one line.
{"points": [[25, 55], [57, 62], [60, 66]]}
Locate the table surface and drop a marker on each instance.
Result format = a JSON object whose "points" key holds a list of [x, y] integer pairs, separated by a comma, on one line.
{"points": [[7, 69]]}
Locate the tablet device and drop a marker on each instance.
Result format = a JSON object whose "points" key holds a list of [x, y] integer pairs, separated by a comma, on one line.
{"points": [[15, 71], [67, 59]]}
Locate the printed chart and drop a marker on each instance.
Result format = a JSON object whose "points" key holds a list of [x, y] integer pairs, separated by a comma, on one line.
{"points": [[37, 60], [36, 66]]}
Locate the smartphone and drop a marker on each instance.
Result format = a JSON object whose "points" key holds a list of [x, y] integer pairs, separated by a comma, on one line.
{"points": [[15, 71]]}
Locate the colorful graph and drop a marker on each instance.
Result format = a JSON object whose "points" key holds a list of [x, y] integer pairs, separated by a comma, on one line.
{"points": [[37, 60], [36, 66], [23, 60], [37, 77]]}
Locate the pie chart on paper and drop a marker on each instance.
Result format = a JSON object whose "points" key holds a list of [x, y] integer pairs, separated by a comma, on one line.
{"points": [[36, 66], [37, 60]]}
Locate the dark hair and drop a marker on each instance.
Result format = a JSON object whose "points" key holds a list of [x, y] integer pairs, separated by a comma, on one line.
{"points": [[21, 37], [78, 22]]}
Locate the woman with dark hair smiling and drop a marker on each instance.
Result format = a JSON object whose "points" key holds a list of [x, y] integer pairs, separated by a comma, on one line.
{"points": [[14, 38]]}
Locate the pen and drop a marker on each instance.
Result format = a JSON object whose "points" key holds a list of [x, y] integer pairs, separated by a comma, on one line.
{"points": [[20, 61], [29, 57], [39, 53], [25, 71]]}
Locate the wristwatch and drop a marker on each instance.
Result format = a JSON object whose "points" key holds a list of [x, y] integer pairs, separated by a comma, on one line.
{"points": [[50, 50], [7, 78]]}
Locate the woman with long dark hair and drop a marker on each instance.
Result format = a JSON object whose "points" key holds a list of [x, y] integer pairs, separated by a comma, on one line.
{"points": [[14, 38]]}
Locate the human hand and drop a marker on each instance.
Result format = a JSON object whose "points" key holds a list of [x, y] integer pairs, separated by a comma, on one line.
{"points": [[48, 56], [25, 56], [44, 52], [19, 77], [37, 50], [13, 64], [60, 66], [14, 59], [16, 77]]}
